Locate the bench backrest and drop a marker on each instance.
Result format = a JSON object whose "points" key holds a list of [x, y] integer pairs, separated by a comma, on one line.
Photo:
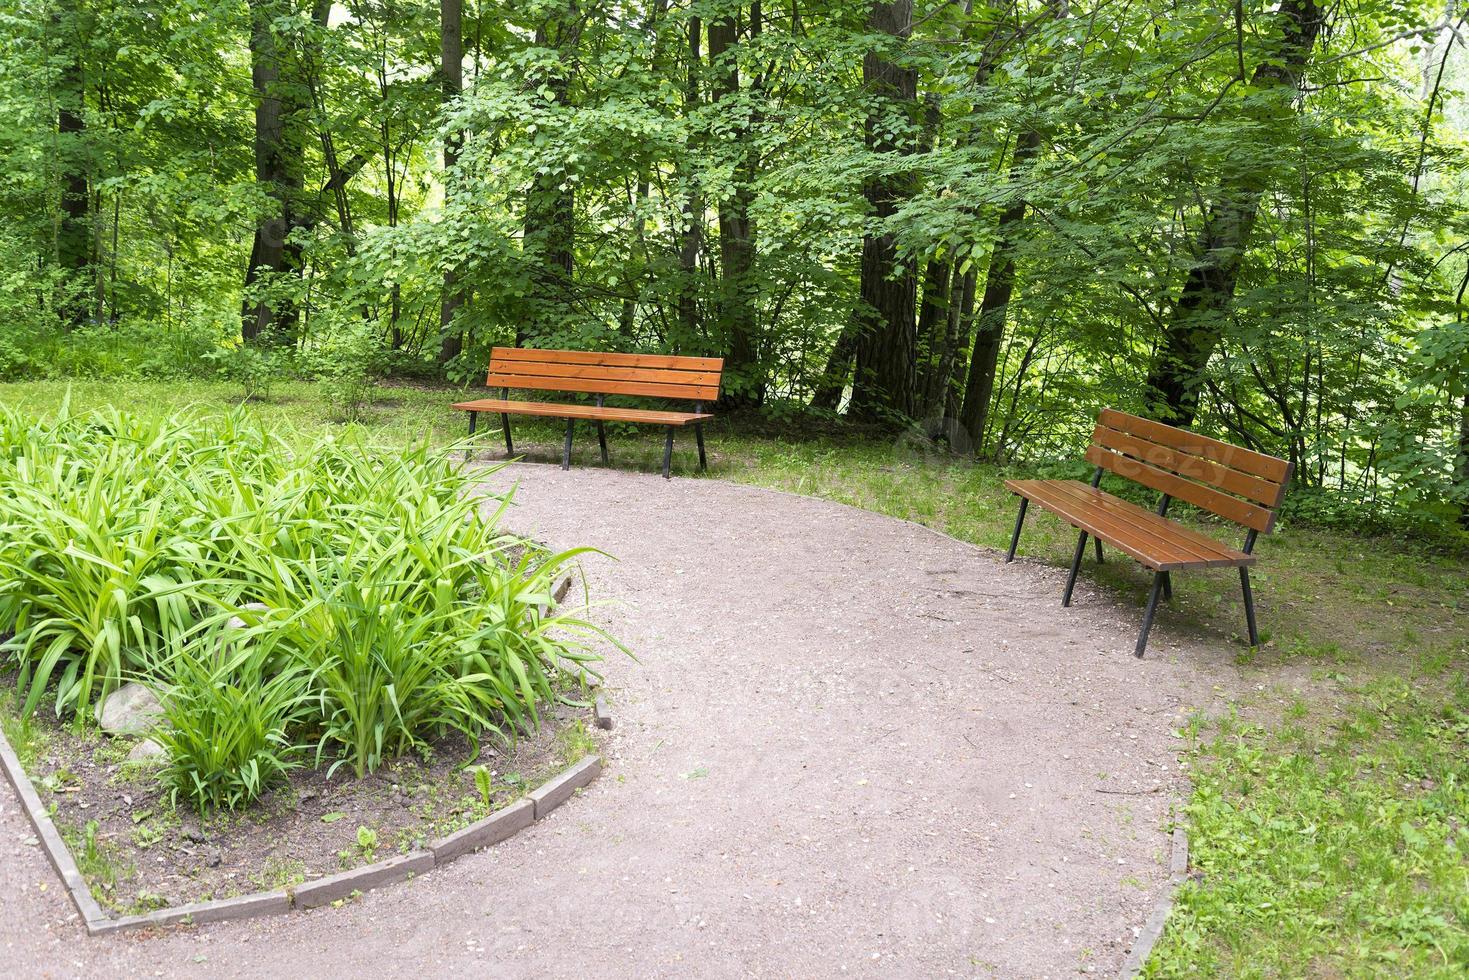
{"points": [[651, 375], [1237, 484]]}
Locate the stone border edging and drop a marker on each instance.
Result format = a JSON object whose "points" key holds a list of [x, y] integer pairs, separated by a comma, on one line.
{"points": [[1142, 948], [503, 823]]}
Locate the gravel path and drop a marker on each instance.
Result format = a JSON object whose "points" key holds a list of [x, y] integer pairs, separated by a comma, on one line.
{"points": [[851, 746]]}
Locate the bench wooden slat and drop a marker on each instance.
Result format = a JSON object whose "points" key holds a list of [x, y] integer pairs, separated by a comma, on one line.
{"points": [[604, 372], [1197, 468], [1154, 541], [1215, 501], [1269, 468], [1189, 545], [671, 361], [589, 412], [595, 373], [593, 386]]}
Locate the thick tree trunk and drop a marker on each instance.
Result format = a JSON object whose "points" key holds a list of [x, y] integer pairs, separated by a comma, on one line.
{"points": [[882, 386], [1197, 321], [736, 231], [278, 167], [451, 83], [994, 306]]}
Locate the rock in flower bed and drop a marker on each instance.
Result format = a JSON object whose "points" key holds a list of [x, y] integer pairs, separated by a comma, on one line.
{"points": [[275, 616]]}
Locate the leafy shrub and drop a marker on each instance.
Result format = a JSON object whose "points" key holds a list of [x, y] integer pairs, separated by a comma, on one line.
{"points": [[390, 594], [345, 363], [229, 710], [255, 368]]}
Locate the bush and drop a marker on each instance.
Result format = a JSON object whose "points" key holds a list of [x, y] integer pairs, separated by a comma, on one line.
{"points": [[229, 711], [367, 576], [345, 363], [253, 367]]}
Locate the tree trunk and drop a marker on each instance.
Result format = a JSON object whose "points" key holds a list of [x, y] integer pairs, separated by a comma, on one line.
{"points": [[1461, 465], [961, 325], [692, 236], [886, 342], [74, 231], [451, 82], [994, 307], [1197, 321], [933, 335], [550, 204], [278, 166], [736, 231]]}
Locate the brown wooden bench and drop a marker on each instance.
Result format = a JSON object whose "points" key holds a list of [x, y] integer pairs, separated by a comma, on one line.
{"points": [[694, 379], [1236, 484]]}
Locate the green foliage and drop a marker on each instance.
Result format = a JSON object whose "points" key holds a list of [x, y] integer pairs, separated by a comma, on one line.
{"points": [[1342, 856], [483, 784], [606, 174], [345, 364], [394, 610], [230, 705], [255, 368]]}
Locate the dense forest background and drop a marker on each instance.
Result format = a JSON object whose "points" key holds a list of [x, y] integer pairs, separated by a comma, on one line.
{"points": [[985, 219]]}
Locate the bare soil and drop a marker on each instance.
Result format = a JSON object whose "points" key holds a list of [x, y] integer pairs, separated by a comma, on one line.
{"points": [[139, 851]]}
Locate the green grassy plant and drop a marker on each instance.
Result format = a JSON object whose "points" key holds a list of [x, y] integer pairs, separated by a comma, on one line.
{"points": [[229, 714], [1334, 854], [382, 606]]}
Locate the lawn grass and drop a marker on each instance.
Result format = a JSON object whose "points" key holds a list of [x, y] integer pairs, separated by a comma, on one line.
{"points": [[1326, 835]]}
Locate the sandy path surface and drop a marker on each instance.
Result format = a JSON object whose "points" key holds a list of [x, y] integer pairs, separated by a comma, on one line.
{"points": [[850, 747]]}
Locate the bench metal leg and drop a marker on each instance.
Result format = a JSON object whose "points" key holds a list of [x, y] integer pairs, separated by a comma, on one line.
{"points": [[1098, 543], [668, 455], [1015, 538], [1167, 586], [505, 424], [1157, 590], [566, 450], [699, 437], [602, 441], [473, 418], [1244, 581], [1075, 567]]}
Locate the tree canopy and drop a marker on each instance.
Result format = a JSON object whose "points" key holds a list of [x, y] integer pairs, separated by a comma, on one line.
{"points": [[991, 219]]}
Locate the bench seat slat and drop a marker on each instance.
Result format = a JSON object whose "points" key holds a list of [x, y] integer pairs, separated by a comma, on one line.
{"points": [[1156, 542], [590, 412]]}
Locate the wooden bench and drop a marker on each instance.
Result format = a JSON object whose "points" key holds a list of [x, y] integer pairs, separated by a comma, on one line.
{"points": [[694, 379], [1236, 484]]}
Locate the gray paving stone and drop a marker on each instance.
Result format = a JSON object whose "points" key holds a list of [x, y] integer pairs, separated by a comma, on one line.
{"points": [[491, 830], [559, 790], [324, 891]]}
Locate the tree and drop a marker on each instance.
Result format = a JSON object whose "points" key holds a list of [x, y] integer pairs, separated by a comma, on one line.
{"points": [[451, 72], [737, 241], [279, 167], [886, 331], [1198, 317]]}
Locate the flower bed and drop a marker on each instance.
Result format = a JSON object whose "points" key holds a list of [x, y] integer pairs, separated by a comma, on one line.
{"points": [[299, 613]]}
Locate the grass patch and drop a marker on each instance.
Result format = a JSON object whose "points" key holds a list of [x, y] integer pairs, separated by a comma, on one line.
{"points": [[1338, 851]]}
